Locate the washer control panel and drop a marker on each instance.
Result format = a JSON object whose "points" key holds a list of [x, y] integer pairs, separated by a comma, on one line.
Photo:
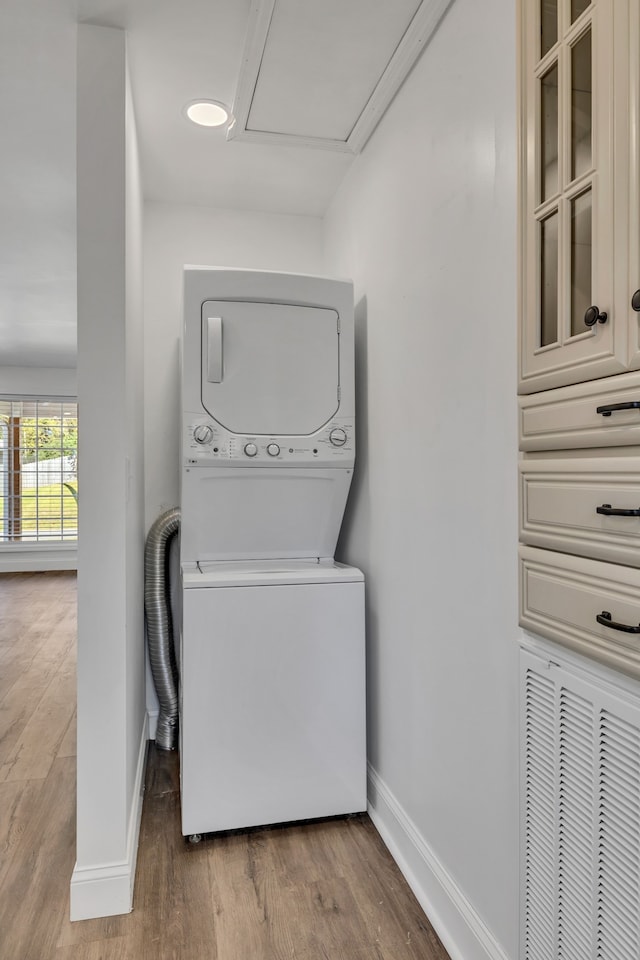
{"points": [[206, 442]]}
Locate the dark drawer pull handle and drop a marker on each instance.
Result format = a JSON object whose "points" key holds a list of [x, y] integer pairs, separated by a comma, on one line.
{"points": [[610, 408], [605, 619], [635, 301], [608, 511]]}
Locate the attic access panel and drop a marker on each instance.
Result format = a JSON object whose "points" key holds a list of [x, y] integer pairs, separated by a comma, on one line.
{"points": [[322, 74], [269, 369]]}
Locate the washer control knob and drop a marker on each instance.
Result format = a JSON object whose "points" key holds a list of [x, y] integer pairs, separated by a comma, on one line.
{"points": [[338, 437], [203, 433], [250, 449], [273, 449]]}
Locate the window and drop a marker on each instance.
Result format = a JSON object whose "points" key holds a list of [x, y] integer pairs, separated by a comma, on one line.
{"points": [[38, 470]]}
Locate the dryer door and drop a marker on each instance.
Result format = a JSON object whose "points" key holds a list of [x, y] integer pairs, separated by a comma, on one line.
{"points": [[269, 368]]}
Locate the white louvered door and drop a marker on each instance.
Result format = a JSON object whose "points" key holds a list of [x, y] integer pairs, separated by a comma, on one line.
{"points": [[580, 825]]}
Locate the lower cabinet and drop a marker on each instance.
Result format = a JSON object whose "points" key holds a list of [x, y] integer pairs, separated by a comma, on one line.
{"points": [[588, 506], [580, 817], [600, 413], [588, 606], [579, 559]]}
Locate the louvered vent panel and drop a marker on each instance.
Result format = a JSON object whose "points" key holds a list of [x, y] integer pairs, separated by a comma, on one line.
{"points": [[618, 882], [581, 817], [575, 827], [540, 807]]}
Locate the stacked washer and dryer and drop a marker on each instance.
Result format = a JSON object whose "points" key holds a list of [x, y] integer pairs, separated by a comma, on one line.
{"points": [[272, 698]]}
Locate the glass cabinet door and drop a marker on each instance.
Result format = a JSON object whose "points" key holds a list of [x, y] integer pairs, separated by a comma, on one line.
{"points": [[630, 281], [567, 189]]}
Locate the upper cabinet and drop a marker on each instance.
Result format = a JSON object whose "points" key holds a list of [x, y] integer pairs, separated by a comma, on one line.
{"points": [[579, 190], [633, 205]]}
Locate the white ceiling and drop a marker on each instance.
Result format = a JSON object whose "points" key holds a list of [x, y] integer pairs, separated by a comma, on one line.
{"points": [[317, 71], [180, 50], [318, 67]]}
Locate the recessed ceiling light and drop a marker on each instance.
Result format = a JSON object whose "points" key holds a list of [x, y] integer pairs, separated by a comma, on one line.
{"points": [[207, 113]]}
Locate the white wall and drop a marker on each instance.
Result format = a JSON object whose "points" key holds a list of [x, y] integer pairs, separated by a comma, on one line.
{"points": [[37, 173], [177, 234], [38, 381], [135, 473], [425, 222], [111, 713]]}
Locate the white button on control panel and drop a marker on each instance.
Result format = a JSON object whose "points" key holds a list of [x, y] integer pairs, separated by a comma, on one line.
{"points": [[250, 449], [203, 433], [273, 449], [338, 437]]}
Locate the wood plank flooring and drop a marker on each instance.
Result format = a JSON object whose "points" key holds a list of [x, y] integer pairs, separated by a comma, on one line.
{"points": [[321, 891]]}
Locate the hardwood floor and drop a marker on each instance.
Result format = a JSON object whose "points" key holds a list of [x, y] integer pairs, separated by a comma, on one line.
{"points": [[321, 891]]}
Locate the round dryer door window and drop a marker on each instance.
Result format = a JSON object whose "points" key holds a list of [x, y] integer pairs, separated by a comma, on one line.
{"points": [[269, 368]]}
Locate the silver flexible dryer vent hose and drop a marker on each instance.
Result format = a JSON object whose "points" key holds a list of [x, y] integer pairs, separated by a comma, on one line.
{"points": [[159, 626]]}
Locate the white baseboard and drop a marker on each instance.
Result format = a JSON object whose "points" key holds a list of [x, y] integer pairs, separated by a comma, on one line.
{"points": [[106, 890], [18, 559], [463, 933]]}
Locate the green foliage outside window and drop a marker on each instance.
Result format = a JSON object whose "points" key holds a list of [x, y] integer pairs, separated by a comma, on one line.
{"points": [[48, 437]]}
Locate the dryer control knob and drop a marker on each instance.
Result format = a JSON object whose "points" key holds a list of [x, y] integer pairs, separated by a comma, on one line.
{"points": [[338, 437], [273, 449], [203, 434], [250, 449]]}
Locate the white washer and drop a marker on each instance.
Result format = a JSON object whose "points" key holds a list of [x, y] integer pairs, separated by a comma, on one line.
{"points": [[273, 693]]}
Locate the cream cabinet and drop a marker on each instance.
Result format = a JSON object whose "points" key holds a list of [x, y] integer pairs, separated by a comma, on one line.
{"points": [[600, 413], [580, 331], [589, 507], [580, 196], [579, 404], [590, 607]]}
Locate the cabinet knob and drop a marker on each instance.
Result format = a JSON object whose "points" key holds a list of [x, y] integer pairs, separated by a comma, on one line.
{"points": [[635, 301], [592, 316]]}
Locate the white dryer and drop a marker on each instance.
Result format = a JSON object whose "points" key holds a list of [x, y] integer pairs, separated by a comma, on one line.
{"points": [[272, 703], [268, 414]]}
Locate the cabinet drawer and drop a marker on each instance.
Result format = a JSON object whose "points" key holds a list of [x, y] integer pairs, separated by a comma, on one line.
{"points": [[567, 418], [559, 501], [561, 596]]}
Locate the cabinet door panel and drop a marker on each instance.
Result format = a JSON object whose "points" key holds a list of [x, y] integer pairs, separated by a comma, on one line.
{"points": [[568, 418], [561, 596], [630, 281], [559, 503], [580, 812], [569, 129]]}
